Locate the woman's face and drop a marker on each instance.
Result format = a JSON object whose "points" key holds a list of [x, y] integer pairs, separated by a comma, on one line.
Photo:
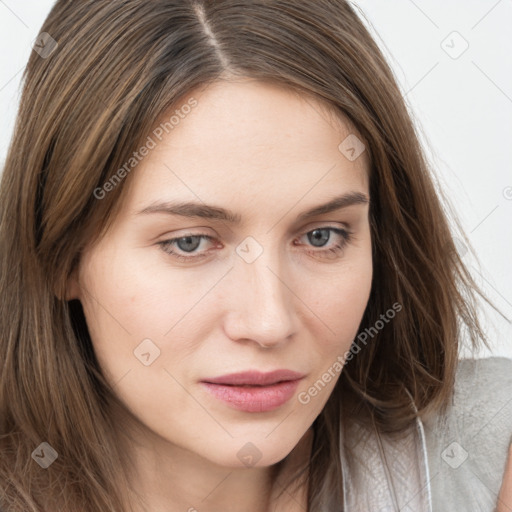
{"points": [[175, 299]]}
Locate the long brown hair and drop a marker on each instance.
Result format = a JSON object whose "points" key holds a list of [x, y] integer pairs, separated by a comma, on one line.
{"points": [[87, 104]]}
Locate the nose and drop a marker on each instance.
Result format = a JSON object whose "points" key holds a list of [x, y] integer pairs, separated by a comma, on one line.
{"points": [[261, 299]]}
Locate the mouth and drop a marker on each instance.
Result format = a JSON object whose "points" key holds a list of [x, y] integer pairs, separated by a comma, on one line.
{"points": [[254, 391]]}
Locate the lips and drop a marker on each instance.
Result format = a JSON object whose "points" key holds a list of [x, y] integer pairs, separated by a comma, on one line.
{"points": [[255, 378], [254, 391]]}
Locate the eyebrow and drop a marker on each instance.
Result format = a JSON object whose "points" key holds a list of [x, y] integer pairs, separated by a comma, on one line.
{"points": [[205, 211]]}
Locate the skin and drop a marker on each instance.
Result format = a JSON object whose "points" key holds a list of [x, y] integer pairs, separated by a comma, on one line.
{"points": [[268, 154], [505, 497]]}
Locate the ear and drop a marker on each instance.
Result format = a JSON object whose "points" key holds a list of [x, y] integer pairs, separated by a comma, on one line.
{"points": [[72, 289]]}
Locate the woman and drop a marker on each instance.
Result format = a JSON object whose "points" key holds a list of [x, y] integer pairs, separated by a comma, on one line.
{"points": [[176, 334]]}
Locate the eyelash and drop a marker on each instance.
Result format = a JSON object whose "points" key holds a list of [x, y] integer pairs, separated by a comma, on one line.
{"points": [[345, 234]]}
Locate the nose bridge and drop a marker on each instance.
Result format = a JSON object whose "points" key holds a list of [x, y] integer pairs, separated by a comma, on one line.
{"points": [[262, 305]]}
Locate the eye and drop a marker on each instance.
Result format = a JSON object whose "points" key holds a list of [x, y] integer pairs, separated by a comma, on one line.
{"points": [[320, 236], [188, 244]]}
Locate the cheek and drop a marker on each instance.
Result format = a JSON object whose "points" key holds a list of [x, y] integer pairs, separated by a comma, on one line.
{"points": [[132, 297], [339, 307], [339, 301], [135, 296]]}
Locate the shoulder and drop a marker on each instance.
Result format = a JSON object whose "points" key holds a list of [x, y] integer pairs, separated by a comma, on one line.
{"points": [[482, 397], [483, 391], [482, 400], [493, 371], [467, 446]]}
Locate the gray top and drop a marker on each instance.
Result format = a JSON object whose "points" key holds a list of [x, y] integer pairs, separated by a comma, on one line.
{"points": [[468, 449], [447, 463]]}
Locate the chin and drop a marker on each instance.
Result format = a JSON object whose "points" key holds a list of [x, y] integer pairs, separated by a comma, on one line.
{"points": [[249, 452]]}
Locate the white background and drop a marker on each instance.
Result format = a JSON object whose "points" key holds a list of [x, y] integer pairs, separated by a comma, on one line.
{"points": [[461, 103]]}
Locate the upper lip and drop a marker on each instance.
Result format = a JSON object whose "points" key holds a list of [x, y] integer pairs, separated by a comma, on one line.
{"points": [[255, 378]]}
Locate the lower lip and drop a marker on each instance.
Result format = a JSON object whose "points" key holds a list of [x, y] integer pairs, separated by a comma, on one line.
{"points": [[254, 398]]}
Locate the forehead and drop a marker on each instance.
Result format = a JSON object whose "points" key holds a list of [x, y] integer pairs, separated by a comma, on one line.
{"points": [[249, 115], [248, 139]]}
